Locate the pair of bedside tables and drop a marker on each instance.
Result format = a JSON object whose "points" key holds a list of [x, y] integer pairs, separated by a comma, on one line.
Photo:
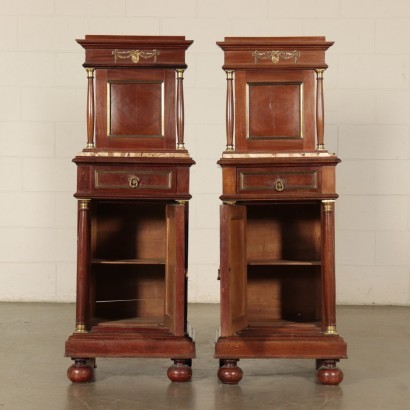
{"points": [[277, 267]]}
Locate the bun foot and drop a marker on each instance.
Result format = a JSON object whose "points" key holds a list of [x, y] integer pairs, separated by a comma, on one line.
{"points": [[329, 373], [229, 372], [80, 371], [180, 371]]}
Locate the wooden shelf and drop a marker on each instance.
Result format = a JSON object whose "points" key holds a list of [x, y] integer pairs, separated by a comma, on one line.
{"points": [[280, 327], [132, 322], [128, 262], [281, 262]]}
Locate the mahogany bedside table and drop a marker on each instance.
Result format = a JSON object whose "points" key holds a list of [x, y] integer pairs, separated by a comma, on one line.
{"points": [[133, 193], [277, 268]]}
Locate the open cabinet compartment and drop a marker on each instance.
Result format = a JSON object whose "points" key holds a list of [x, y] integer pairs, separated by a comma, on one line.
{"points": [[137, 298], [137, 290], [136, 272], [128, 255], [281, 296], [283, 263], [272, 284], [278, 282]]}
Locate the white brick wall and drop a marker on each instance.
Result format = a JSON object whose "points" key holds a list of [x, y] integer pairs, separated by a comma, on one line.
{"points": [[42, 126]]}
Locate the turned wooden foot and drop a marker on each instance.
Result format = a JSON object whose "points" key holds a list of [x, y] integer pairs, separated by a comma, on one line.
{"points": [[229, 372], [329, 373], [180, 371], [80, 371]]}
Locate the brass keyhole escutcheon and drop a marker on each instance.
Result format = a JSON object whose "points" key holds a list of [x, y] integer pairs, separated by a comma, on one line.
{"points": [[279, 184], [133, 181]]}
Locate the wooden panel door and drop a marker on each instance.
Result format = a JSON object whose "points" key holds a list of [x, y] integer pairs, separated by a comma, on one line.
{"points": [[233, 272], [135, 109], [175, 269], [274, 111]]}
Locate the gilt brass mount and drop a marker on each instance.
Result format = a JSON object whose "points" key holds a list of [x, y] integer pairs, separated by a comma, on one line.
{"points": [[279, 184], [276, 55], [136, 55], [331, 330], [80, 328], [133, 181], [328, 205]]}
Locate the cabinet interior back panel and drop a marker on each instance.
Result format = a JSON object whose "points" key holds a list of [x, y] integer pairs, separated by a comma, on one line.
{"points": [[129, 231], [288, 232], [289, 293], [129, 291]]}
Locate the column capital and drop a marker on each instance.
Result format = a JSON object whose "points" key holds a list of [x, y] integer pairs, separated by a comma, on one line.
{"points": [[229, 74], [84, 204], [180, 73], [319, 73], [90, 72], [328, 205]]}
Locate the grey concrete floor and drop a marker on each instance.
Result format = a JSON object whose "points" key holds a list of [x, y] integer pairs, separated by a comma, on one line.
{"points": [[33, 369]]}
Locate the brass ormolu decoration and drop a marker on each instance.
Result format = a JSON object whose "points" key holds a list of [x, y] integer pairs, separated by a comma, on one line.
{"points": [[331, 330], [80, 328], [84, 204], [319, 73], [328, 205], [135, 55], [90, 72], [276, 55], [133, 181], [279, 184], [180, 72]]}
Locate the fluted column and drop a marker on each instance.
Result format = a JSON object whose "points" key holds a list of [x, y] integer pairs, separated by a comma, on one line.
{"points": [[83, 265], [328, 267], [180, 109], [229, 110], [90, 108], [320, 110]]}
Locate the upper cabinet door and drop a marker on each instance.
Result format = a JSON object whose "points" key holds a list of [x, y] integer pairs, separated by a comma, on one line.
{"points": [[274, 110], [233, 273], [175, 269], [135, 108]]}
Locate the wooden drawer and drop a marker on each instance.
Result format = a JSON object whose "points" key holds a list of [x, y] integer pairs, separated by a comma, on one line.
{"points": [[278, 180], [134, 179]]}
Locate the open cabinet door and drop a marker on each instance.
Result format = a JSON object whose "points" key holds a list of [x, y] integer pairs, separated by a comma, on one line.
{"points": [[233, 273], [175, 269]]}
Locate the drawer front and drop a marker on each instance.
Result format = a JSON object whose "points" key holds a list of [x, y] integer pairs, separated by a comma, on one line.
{"points": [[278, 180], [134, 179]]}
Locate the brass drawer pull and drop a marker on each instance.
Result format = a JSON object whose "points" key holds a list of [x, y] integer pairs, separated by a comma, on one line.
{"points": [[133, 181], [279, 184]]}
